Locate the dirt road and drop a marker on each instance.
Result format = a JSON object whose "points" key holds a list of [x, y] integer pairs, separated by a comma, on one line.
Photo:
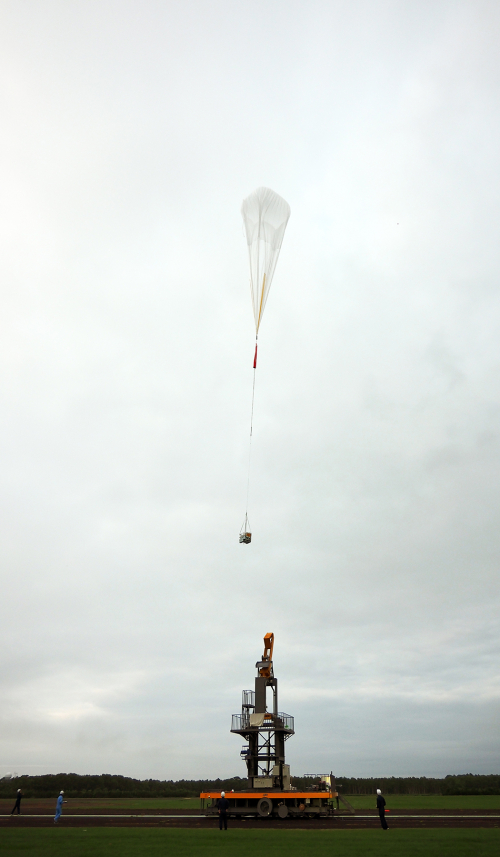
{"points": [[41, 814]]}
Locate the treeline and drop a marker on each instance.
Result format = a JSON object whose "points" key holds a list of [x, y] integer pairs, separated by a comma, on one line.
{"points": [[461, 784], [114, 786]]}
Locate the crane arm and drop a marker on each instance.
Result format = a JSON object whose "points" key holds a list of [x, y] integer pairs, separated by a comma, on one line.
{"points": [[265, 666], [268, 647]]}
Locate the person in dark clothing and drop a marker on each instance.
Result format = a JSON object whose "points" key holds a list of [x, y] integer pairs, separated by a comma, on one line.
{"points": [[17, 804], [223, 806], [381, 809]]}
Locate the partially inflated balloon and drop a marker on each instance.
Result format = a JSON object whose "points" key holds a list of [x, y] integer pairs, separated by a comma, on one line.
{"points": [[265, 215]]}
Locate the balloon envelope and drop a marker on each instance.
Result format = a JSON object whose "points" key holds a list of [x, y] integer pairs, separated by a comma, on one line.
{"points": [[265, 215]]}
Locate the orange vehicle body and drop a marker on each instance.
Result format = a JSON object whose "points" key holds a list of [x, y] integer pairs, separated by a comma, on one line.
{"points": [[309, 803], [254, 795]]}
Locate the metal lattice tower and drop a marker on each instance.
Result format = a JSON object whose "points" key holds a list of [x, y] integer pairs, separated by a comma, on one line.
{"points": [[265, 730]]}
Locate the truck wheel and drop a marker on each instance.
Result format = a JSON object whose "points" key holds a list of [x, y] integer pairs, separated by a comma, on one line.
{"points": [[283, 810], [264, 807]]}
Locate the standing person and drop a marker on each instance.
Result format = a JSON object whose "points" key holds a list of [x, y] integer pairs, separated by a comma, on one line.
{"points": [[60, 801], [17, 804], [381, 809], [223, 806]]}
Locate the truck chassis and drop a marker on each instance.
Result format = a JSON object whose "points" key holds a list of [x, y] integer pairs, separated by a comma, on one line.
{"points": [[272, 804]]}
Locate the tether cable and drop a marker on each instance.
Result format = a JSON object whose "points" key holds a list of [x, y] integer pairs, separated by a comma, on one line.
{"points": [[251, 433]]}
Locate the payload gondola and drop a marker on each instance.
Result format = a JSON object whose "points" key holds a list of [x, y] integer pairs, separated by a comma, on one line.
{"points": [[245, 534]]}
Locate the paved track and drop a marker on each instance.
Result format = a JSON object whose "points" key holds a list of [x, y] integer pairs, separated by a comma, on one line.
{"points": [[189, 819]]}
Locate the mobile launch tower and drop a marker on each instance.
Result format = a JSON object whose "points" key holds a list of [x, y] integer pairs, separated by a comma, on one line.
{"points": [[266, 730]]}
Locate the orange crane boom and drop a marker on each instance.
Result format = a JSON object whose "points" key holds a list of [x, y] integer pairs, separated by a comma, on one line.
{"points": [[266, 665]]}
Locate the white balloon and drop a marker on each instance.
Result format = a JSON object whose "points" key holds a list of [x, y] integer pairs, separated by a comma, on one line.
{"points": [[265, 215]]}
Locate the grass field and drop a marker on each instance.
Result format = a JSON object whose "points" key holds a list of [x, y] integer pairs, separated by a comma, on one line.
{"points": [[443, 802], [121, 842], [91, 803], [359, 802]]}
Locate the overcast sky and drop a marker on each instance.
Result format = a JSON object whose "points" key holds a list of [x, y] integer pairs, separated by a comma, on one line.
{"points": [[130, 617]]}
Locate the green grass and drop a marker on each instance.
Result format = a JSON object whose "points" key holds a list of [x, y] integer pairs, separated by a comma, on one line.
{"points": [[138, 803], [359, 802], [107, 803], [443, 802], [247, 843]]}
